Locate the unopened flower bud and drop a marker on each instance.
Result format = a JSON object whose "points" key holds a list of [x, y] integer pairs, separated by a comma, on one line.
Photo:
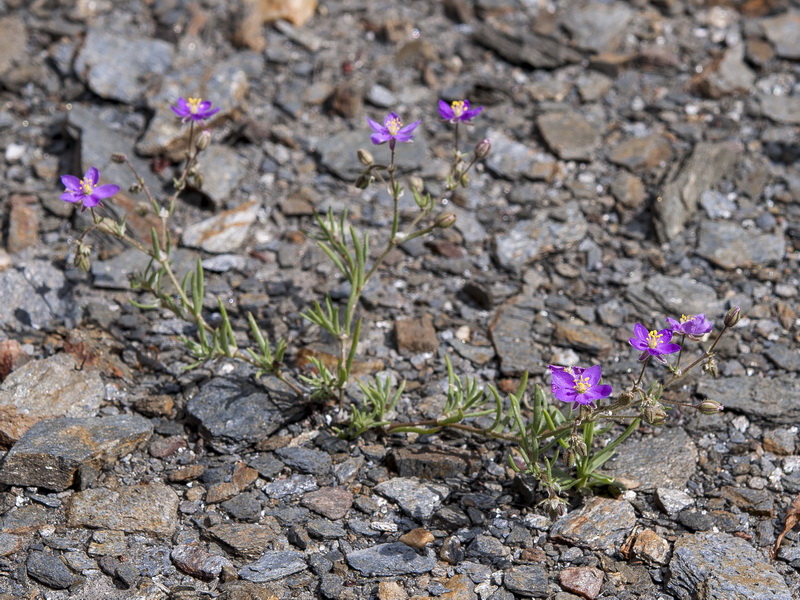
{"points": [[203, 140], [365, 157], [415, 183], [363, 181], [578, 445], [117, 157], [711, 367], [446, 220], [711, 407], [732, 317], [82, 255], [626, 398], [483, 148], [655, 415]]}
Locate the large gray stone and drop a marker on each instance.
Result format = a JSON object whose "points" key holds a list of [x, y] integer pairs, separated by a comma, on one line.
{"points": [[273, 565], [602, 524], [419, 500], [774, 400], [390, 560], [50, 453], [35, 293], [731, 246]]}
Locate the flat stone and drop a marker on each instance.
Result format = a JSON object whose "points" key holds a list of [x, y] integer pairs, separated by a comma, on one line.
{"points": [[666, 460], [245, 539], [756, 502], [232, 410], [273, 565], [323, 529], [602, 524], [674, 296], [731, 246], [583, 338], [727, 74], [641, 154], [529, 581], [107, 543], [598, 26], [45, 389], [782, 32], [672, 501], [49, 570], [390, 560], [525, 48], [23, 222], [582, 581], [701, 171], [417, 499], [128, 508], [50, 453], [531, 239], [224, 232], [35, 293], [416, 335], [511, 332], [417, 538], [14, 50], [781, 109], [569, 135], [305, 460], [513, 160], [195, 561], [10, 543], [430, 464], [722, 566], [331, 502], [784, 355], [296, 484], [338, 153], [101, 53], [222, 168]]}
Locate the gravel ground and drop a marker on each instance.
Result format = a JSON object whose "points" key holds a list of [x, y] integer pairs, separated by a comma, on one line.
{"points": [[643, 166]]}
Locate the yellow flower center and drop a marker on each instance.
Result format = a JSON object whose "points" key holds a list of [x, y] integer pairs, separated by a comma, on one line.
{"points": [[394, 125], [685, 318], [194, 105], [458, 107], [582, 384], [86, 186], [653, 339]]}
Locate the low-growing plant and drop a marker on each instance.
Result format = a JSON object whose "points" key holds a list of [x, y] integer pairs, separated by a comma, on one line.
{"points": [[555, 444]]}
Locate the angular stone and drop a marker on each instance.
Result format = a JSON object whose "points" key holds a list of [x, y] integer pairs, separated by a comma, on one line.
{"points": [[511, 331], [430, 464], [417, 499], [222, 168], [784, 355], [234, 410], [305, 460], [34, 294], [128, 509], [701, 171], [783, 31], [668, 459], [602, 524], [193, 560], [45, 389], [755, 502], [534, 50], [273, 565], [330, 502], [651, 547], [23, 223], [416, 335], [598, 26], [224, 232], [727, 74], [640, 154], [675, 296], [49, 570], [774, 401], [51, 452], [512, 160], [338, 154], [527, 580], [14, 49], [107, 543], [417, 538], [730, 246], [586, 338], [569, 135], [531, 239], [255, 13], [582, 581], [390, 560], [245, 539], [722, 566]]}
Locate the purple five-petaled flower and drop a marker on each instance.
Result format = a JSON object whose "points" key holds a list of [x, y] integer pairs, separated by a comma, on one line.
{"points": [[458, 110], [653, 343], [578, 384], [693, 327], [392, 130], [86, 190], [194, 109]]}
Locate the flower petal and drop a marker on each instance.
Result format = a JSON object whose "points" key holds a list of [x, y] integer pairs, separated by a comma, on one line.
{"points": [[640, 331], [668, 348], [71, 182], [392, 116], [90, 201], [665, 335], [445, 111], [598, 392], [377, 127], [380, 138], [593, 374], [105, 191], [562, 379], [639, 344], [71, 197], [93, 175]]}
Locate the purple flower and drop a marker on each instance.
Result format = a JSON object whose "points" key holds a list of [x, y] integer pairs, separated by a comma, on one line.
{"points": [[577, 384], [392, 130], [458, 110], [194, 109], [653, 343], [694, 327], [86, 190]]}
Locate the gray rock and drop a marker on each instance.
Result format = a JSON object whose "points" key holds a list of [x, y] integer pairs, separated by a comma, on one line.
{"points": [[530, 239], [127, 508], [703, 169], [727, 75], [45, 389], [14, 51], [717, 205], [50, 453], [602, 524], [305, 460], [390, 560], [643, 153], [381, 96], [731, 246], [598, 26], [192, 559], [784, 355], [232, 409], [224, 232], [512, 335], [534, 50], [674, 296], [672, 501], [722, 566], [781, 109], [222, 168], [773, 400], [417, 499], [296, 484], [569, 135], [49, 570], [121, 68], [512, 160], [669, 459], [245, 539], [34, 294], [323, 529], [273, 565], [529, 581], [783, 31], [338, 153], [115, 272]]}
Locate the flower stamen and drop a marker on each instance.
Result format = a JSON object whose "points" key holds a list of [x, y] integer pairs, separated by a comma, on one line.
{"points": [[87, 187], [653, 339], [194, 104], [394, 125], [458, 107], [582, 384]]}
